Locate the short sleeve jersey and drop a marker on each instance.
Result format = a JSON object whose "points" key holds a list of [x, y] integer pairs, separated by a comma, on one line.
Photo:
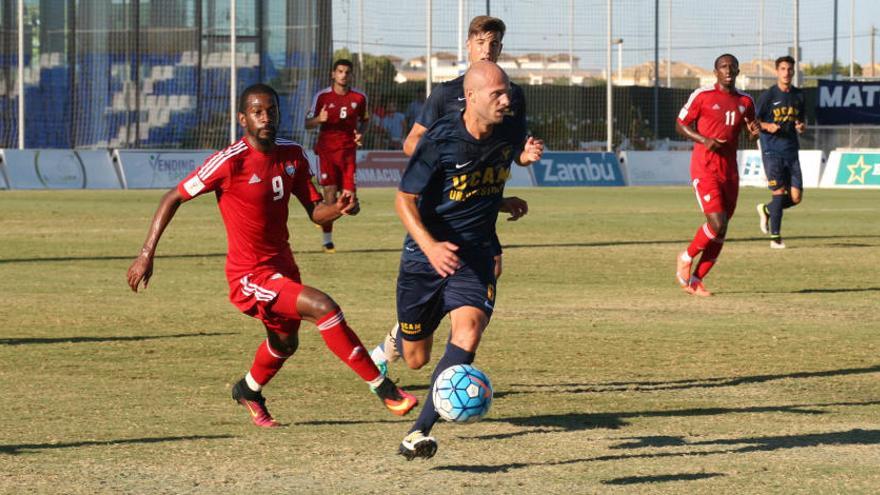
{"points": [[460, 182], [253, 190], [344, 112], [720, 115], [448, 97], [783, 108]]}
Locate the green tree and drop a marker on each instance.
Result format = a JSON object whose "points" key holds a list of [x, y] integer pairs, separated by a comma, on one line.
{"points": [[825, 69]]}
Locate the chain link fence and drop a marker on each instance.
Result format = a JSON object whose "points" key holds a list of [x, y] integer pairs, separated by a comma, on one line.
{"points": [[157, 73]]}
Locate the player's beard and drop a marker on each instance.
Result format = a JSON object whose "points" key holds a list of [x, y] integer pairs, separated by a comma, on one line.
{"points": [[265, 136]]}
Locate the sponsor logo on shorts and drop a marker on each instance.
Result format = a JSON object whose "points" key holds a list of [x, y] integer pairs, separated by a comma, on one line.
{"points": [[771, 183], [290, 168], [490, 292], [410, 328], [707, 197]]}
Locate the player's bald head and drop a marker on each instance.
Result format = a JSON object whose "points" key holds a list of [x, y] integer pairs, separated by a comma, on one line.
{"points": [[486, 89], [481, 73]]}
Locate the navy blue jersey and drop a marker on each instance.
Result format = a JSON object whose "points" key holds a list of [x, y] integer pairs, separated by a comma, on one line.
{"points": [[460, 183], [782, 108], [448, 98]]}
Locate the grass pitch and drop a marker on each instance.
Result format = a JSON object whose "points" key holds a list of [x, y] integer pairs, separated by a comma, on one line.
{"points": [[608, 378]]}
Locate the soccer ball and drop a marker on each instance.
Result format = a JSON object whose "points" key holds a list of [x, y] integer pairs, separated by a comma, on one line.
{"points": [[462, 394]]}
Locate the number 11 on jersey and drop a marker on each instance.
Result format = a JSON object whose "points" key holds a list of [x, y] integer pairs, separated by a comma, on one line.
{"points": [[729, 117]]}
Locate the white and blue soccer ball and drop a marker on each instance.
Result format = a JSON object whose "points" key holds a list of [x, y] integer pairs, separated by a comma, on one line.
{"points": [[462, 394]]}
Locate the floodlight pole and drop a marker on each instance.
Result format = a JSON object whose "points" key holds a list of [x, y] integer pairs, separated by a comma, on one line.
{"points": [[834, 45], [428, 72], [570, 42], [796, 51], [656, 69], [669, 45], [761, 44], [361, 35], [460, 30], [609, 107], [21, 74], [232, 82], [852, 37]]}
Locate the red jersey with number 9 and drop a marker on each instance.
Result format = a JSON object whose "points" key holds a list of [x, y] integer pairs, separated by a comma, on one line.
{"points": [[343, 114], [719, 115], [253, 189]]}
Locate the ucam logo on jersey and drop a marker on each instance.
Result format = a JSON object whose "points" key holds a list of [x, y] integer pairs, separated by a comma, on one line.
{"points": [[560, 169]]}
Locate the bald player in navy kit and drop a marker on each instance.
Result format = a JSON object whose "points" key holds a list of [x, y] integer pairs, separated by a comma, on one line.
{"points": [[448, 200]]}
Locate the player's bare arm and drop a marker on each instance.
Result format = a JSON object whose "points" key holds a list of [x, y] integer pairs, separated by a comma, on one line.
{"points": [[532, 152], [689, 132], [770, 127], [440, 254], [800, 126], [141, 268], [323, 213], [516, 207], [753, 129], [412, 139], [319, 119]]}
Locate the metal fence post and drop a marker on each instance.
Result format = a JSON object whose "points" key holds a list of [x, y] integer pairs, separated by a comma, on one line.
{"points": [[21, 74], [232, 66]]}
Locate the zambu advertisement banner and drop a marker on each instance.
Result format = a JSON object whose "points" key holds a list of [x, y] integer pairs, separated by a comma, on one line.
{"points": [[560, 169]]}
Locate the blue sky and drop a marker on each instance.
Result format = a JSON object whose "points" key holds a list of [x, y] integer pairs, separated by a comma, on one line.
{"points": [[701, 29]]}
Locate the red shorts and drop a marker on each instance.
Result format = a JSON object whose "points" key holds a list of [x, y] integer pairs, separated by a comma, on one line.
{"points": [[337, 168], [258, 294], [717, 194]]}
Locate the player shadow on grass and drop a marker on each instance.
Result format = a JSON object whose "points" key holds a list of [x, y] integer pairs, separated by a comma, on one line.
{"points": [[727, 446], [16, 449], [556, 423], [78, 340], [711, 382], [661, 478], [396, 249]]}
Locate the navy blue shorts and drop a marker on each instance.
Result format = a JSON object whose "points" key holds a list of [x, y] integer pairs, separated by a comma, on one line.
{"points": [[424, 297], [782, 172]]}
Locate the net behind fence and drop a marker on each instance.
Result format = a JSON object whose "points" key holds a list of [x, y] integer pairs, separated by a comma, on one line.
{"points": [[156, 73], [153, 73]]}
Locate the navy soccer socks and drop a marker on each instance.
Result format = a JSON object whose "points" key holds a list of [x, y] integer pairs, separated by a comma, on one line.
{"points": [[428, 416], [777, 204]]}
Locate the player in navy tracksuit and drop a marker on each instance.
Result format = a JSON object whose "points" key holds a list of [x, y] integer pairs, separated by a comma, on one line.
{"points": [[781, 115], [448, 200]]}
